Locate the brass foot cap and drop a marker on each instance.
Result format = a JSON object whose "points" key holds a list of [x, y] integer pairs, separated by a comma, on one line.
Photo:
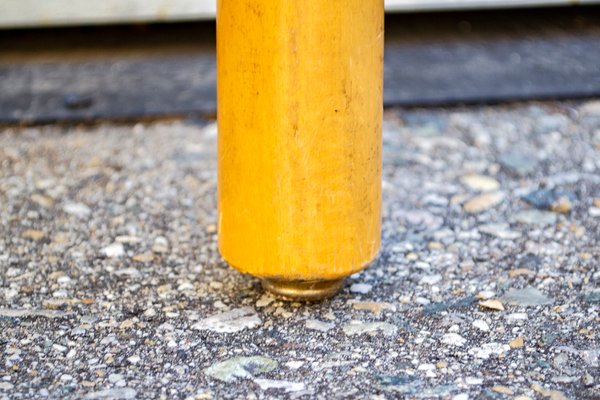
{"points": [[303, 290]]}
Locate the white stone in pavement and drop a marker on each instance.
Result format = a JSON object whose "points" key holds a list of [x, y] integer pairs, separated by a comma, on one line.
{"points": [[454, 339], [230, 321]]}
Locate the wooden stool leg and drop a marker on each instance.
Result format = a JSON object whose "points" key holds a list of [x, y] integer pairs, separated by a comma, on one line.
{"points": [[300, 103]]}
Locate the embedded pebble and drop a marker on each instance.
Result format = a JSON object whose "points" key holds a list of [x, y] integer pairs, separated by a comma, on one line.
{"points": [[128, 239], [481, 325], [489, 349], [431, 279], [114, 378], [518, 163], [133, 272], [470, 380], [287, 387], [486, 294], [42, 200], [24, 313], [592, 296], [483, 202], [113, 251], [144, 257], [114, 393], [536, 217], [461, 396], [241, 367], [454, 339], [480, 183], [560, 360], [422, 301], [514, 317], [231, 321], [359, 328], [362, 288], [501, 231], [134, 359], [294, 364], [265, 300], [502, 389], [320, 326], [186, 286], [420, 219], [516, 343], [527, 297], [551, 199], [59, 348], [79, 210], [429, 370], [549, 393], [161, 245], [34, 234], [492, 305], [520, 272], [374, 307]]}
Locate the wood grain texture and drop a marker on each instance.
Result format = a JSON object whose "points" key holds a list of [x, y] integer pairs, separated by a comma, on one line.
{"points": [[300, 95]]}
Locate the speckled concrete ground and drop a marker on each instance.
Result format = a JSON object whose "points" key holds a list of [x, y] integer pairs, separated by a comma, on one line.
{"points": [[486, 288]]}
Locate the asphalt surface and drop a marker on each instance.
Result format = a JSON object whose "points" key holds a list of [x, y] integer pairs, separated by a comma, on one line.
{"points": [[487, 286]]}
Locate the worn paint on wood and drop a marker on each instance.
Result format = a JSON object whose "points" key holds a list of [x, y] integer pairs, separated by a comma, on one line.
{"points": [[300, 110]]}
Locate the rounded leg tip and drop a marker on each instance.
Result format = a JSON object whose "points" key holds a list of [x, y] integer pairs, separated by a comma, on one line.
{"points": [[303, 290]]}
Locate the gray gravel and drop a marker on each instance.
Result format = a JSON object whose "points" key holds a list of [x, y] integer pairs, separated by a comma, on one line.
{"points": [[487, 286]]}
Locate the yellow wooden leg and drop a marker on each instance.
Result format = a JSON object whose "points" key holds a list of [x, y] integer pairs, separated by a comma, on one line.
{"points": [[300, 110]]}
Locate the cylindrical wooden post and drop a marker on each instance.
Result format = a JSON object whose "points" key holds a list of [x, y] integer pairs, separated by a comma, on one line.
{"points": [[299, 112]]}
